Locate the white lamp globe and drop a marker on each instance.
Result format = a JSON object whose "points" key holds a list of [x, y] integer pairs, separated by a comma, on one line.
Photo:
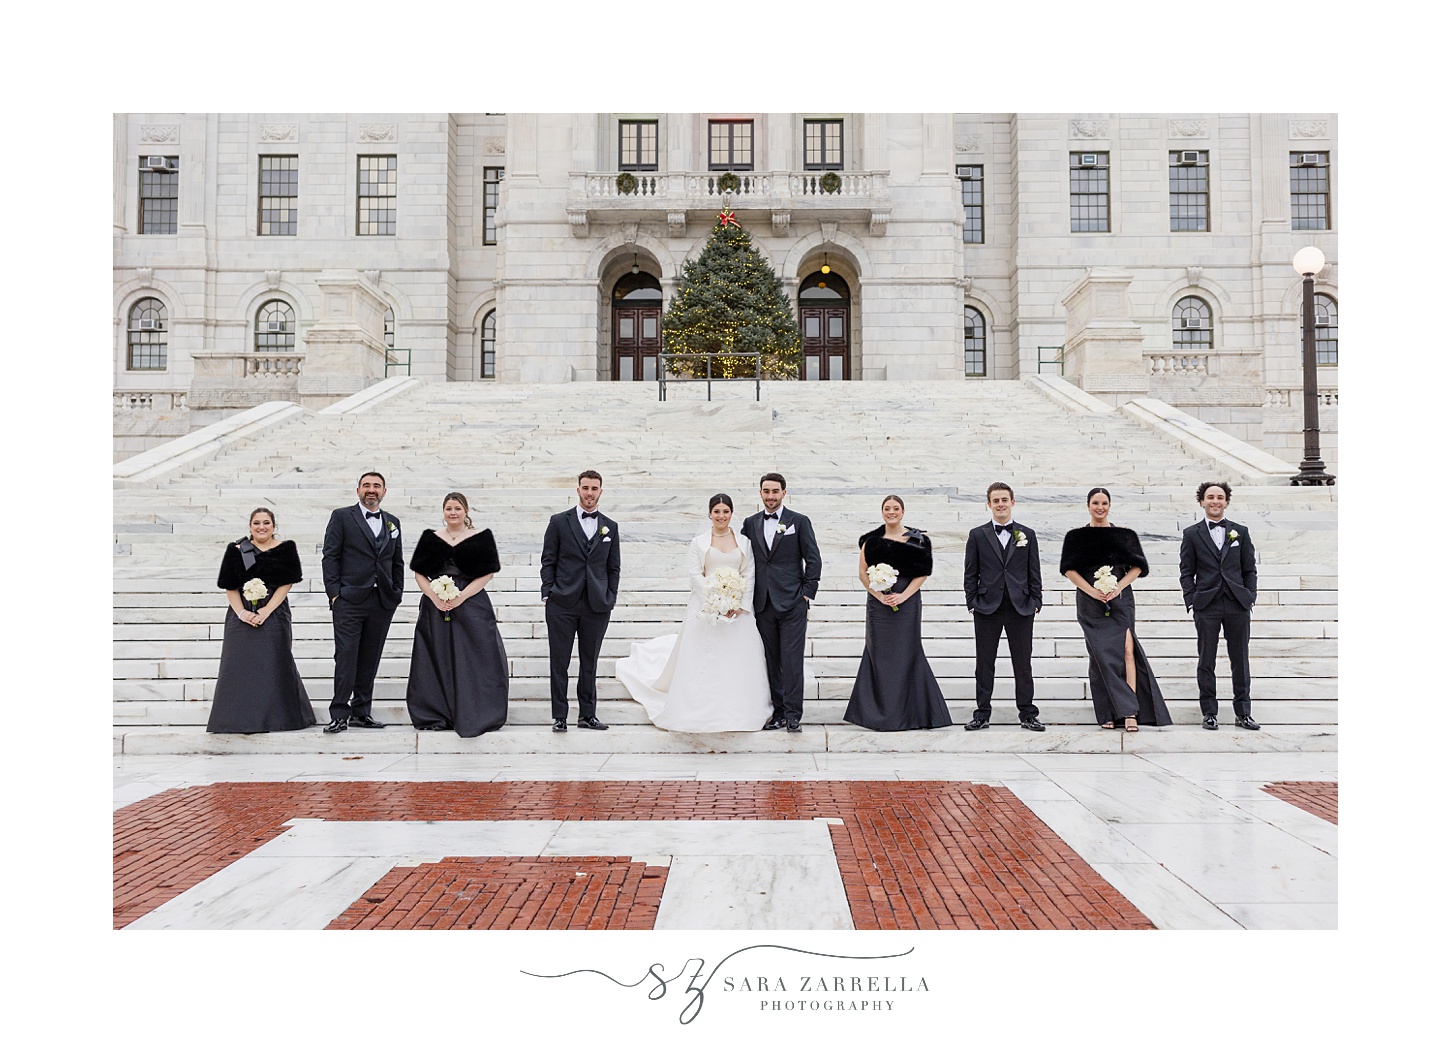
{"points": [[1309, 260]]}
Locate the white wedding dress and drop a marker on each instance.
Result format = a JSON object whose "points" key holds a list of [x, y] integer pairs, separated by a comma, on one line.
{"points": [[706, 677]]}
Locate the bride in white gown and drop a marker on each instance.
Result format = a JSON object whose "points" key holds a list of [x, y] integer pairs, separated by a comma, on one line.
{"points": [[706, 677]]}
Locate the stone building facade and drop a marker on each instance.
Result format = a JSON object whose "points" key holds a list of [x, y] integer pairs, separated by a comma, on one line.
{"points": [[303, 257]]}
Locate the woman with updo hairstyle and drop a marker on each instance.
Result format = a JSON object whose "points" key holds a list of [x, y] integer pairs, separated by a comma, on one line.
{"points": [[258, 687], [710, 675], [1120, 679], [459, 675], [895, 689]]}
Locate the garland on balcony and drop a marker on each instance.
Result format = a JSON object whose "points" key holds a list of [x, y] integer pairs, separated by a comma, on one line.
{"points": [[831, 182], [626, 183]]}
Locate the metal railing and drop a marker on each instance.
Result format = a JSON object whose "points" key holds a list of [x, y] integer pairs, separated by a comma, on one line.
{"points": [[709, 379], [1054, 357], [391, 362]]}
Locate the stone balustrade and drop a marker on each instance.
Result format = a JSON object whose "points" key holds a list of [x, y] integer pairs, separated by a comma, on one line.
{"points": [[1177, 363], [137, 401], [1291, 398]]}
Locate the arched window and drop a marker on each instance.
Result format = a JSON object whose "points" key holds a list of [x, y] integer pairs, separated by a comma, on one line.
{"points": [[974, 342], [146, 335], [1193, 325], [388, 333], [1327, 330], [276, 330], [486, 346]]}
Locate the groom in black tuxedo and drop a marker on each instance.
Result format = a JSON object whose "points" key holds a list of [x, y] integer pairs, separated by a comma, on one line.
{"points": [[788, 571], [1220, 583], [579, 573], [362, 571], [1004, 586]]}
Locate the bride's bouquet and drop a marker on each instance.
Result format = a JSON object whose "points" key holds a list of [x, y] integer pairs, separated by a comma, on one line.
{"points": [[1104, 580], [446, 589], [254, 590], [724, 589], [882, 577]]}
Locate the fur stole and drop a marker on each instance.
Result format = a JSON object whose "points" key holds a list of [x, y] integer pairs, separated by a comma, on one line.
{"points": [[276, 567], [473, 556], [911, 559], [1088, 549]]}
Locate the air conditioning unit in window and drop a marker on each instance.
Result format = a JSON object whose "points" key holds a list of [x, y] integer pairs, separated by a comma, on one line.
{"points": [[156, 162], [1191, 322], [1190, 158], [1311, 159], [275, 327], [149, 324], [1089, 160]]}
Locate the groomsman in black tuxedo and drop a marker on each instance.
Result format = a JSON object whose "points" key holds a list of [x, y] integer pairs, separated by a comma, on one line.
{"points": [[1220, 583], [788, 571], [579, 573], [1004, 587], [362, 571]]}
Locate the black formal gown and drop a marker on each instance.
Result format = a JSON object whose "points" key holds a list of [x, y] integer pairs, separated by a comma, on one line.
{"points": [[1085, 551], [258, 686], [459, 677], [895, 690]]}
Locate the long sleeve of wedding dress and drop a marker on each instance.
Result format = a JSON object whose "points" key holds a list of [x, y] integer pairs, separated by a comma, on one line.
{"points": [[695, 566]]}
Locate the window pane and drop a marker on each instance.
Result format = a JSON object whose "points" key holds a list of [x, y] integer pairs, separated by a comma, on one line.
{"points": [[813, 367], [835, 364], [277, 195], [377, 195]]}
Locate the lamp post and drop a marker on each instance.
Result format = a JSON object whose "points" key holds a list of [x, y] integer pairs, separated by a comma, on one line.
{"points": [[1308, 262]]}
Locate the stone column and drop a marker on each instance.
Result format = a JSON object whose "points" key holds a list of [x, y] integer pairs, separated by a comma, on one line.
{"points": [[344, 348], [1104, 352]]}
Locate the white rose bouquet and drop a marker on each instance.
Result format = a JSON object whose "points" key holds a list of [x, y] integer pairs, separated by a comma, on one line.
{"points": [[446, 590], [724, 589], [1104, 580], [882, 577], [254, 590]]}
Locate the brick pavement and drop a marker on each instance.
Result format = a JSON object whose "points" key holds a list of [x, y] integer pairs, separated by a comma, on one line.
{"points": [[912, 855], [1318, 798]]}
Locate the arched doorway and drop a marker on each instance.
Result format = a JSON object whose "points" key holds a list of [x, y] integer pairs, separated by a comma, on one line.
{"points": [[635, 306], [824, 302]]}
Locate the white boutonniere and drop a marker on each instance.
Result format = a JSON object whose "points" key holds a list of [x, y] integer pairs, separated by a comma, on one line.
{"points": [[1234, 534], [604, 530], [392, 529], [1020, 537], [780, 529]]}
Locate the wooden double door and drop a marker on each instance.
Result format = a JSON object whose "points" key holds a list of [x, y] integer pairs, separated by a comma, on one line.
{"points": [[825, 342], [635, 342]]}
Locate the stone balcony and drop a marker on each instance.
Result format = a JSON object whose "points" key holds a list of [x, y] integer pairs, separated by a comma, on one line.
{"points": [[240, 380], [786, 194]]}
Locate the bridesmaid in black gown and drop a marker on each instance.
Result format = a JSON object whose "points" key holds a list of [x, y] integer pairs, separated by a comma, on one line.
{"points": [[459, 677], [1120, 680], [895, 689], [258, 687]]}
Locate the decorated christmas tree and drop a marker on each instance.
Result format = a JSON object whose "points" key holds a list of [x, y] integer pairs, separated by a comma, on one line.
{"points": [[729, 301]]}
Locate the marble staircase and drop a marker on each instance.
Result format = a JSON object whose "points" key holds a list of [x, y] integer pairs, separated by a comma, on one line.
{"points": [[514, 450]]}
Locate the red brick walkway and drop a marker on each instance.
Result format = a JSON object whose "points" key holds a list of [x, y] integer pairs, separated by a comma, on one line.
{"points": [[1318, 798], [913, 855]]}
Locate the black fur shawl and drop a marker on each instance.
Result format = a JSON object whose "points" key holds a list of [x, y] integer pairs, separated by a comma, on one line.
{"points": [[1088, 549], [910, 559], [474, 556], [276, 567]]}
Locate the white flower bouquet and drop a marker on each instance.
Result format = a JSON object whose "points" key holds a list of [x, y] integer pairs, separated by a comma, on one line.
{"points": [[446, 590], [724, 589], [1105, 581], [254, 590], [882, 577]]}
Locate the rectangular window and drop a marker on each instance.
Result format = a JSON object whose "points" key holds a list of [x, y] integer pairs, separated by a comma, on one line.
{"points": [[638, 145], [377, 195], [276, 195], [159, 180], [1189, 191], [492, 177], [732, 145], [823, 145], [971, 178], [1088, 192], [1310, 191]]}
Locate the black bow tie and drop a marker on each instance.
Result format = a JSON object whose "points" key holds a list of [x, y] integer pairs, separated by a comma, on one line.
{"points": [[372, 514], [589, 514], [1216, 525], [774, 517], [1001, 528]]}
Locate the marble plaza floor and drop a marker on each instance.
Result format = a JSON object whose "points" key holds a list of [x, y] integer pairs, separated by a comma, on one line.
{"points": [[801, 841]]}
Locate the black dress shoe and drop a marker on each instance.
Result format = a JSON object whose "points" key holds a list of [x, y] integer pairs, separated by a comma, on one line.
{"points": [[793, 724], [594, 724], [773, 724], [1032, 724], [364, 721], [434, 727], [1211, 724], [337, 724], [1246, 722], [559, 725], [976, 724]]}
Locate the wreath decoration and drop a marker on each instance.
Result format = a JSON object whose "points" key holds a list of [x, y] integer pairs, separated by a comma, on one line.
{"points": [[728, 182], [831, 182], [626, 183]]}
